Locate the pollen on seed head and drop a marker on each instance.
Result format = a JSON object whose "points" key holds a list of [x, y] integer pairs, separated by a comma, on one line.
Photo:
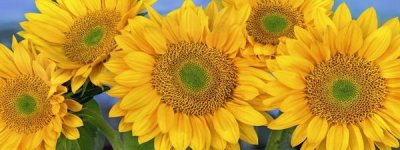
{"points": [[270, 20], [194, 78], [92, 36], [345, 89], [24, 107]]}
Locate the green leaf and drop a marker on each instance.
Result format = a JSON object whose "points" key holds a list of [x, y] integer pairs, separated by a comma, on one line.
{"points": [[91, 138], [131, 143], [91, 113], [65, 144], [280, 140], [86, 92]]}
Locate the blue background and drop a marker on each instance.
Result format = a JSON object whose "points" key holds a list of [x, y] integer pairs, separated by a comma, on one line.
{"points": [[12, 12]]}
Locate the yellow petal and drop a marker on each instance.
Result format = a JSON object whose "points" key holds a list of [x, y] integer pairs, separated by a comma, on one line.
{"points": [[290, 119], [118, 91], [226, 126], [23, 60], [123, 126], [342, 16], [349, 39], [372, 130], [162, 142], [295, 64], [70, 133], [217, 141], [110, 4], [303, 35], [356, 139], [116, 111], [77, 82], [72, 120], [294, 102], [61, 76], [390, 140], [37, 139], [316, 136], [181, 133], [45, 31], [233, 146], [52, 9], [131, 78], [137, 97], [322, 21], [145, 125], [92, 5], [299, 135], [155, 39], [338, 137], [298, 49], [376, 44], [201, 134], [147, 137], [165, 117], [260, 73], [248, 134], [368, 21], [140, 61], [393, 24], [246, 114], [252, 81], [73, 105], [75, 7], [96, 74], [154, 15], [392, 53], [246, 92], [290, 79], [39, 71]]}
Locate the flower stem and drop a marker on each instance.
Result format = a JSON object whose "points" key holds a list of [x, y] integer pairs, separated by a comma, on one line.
{"points": [[97, 120], [275, 140]]}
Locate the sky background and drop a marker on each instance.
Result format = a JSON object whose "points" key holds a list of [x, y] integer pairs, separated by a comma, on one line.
{"points": [[12, 12]]}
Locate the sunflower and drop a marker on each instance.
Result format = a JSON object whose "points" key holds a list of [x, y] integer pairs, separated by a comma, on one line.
{"points": [[181, 82], [271, 22], [340, 83], [33, 111], [79, 34]]}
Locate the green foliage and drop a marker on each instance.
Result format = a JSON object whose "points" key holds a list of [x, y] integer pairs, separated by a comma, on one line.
{"points": [[131, 143], [86, 92], [91, 138], [90, 135], [280, 140], [65, 144]]}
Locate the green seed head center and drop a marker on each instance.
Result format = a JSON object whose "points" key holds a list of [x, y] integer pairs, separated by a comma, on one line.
{"points": [[344, 90], [93, 37], [194, 77], [26, 104], [275, 23]]}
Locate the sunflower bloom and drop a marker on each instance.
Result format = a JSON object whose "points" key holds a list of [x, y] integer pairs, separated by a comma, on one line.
{"points": [[79, 34], [340, 81], [181, 82], [33, 111], [270, 22]]}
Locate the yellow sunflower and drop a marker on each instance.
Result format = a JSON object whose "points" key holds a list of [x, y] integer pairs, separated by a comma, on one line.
{"points": [[340, 82], [271, 22], [181, 82], [79, 34], [33, 111]]}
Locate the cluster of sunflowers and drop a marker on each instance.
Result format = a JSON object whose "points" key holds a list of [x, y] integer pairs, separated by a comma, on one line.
{"points": [[203, 78]]}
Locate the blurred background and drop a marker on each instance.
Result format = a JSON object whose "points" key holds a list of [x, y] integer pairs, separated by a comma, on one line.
{"points": [[12, 12]]}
